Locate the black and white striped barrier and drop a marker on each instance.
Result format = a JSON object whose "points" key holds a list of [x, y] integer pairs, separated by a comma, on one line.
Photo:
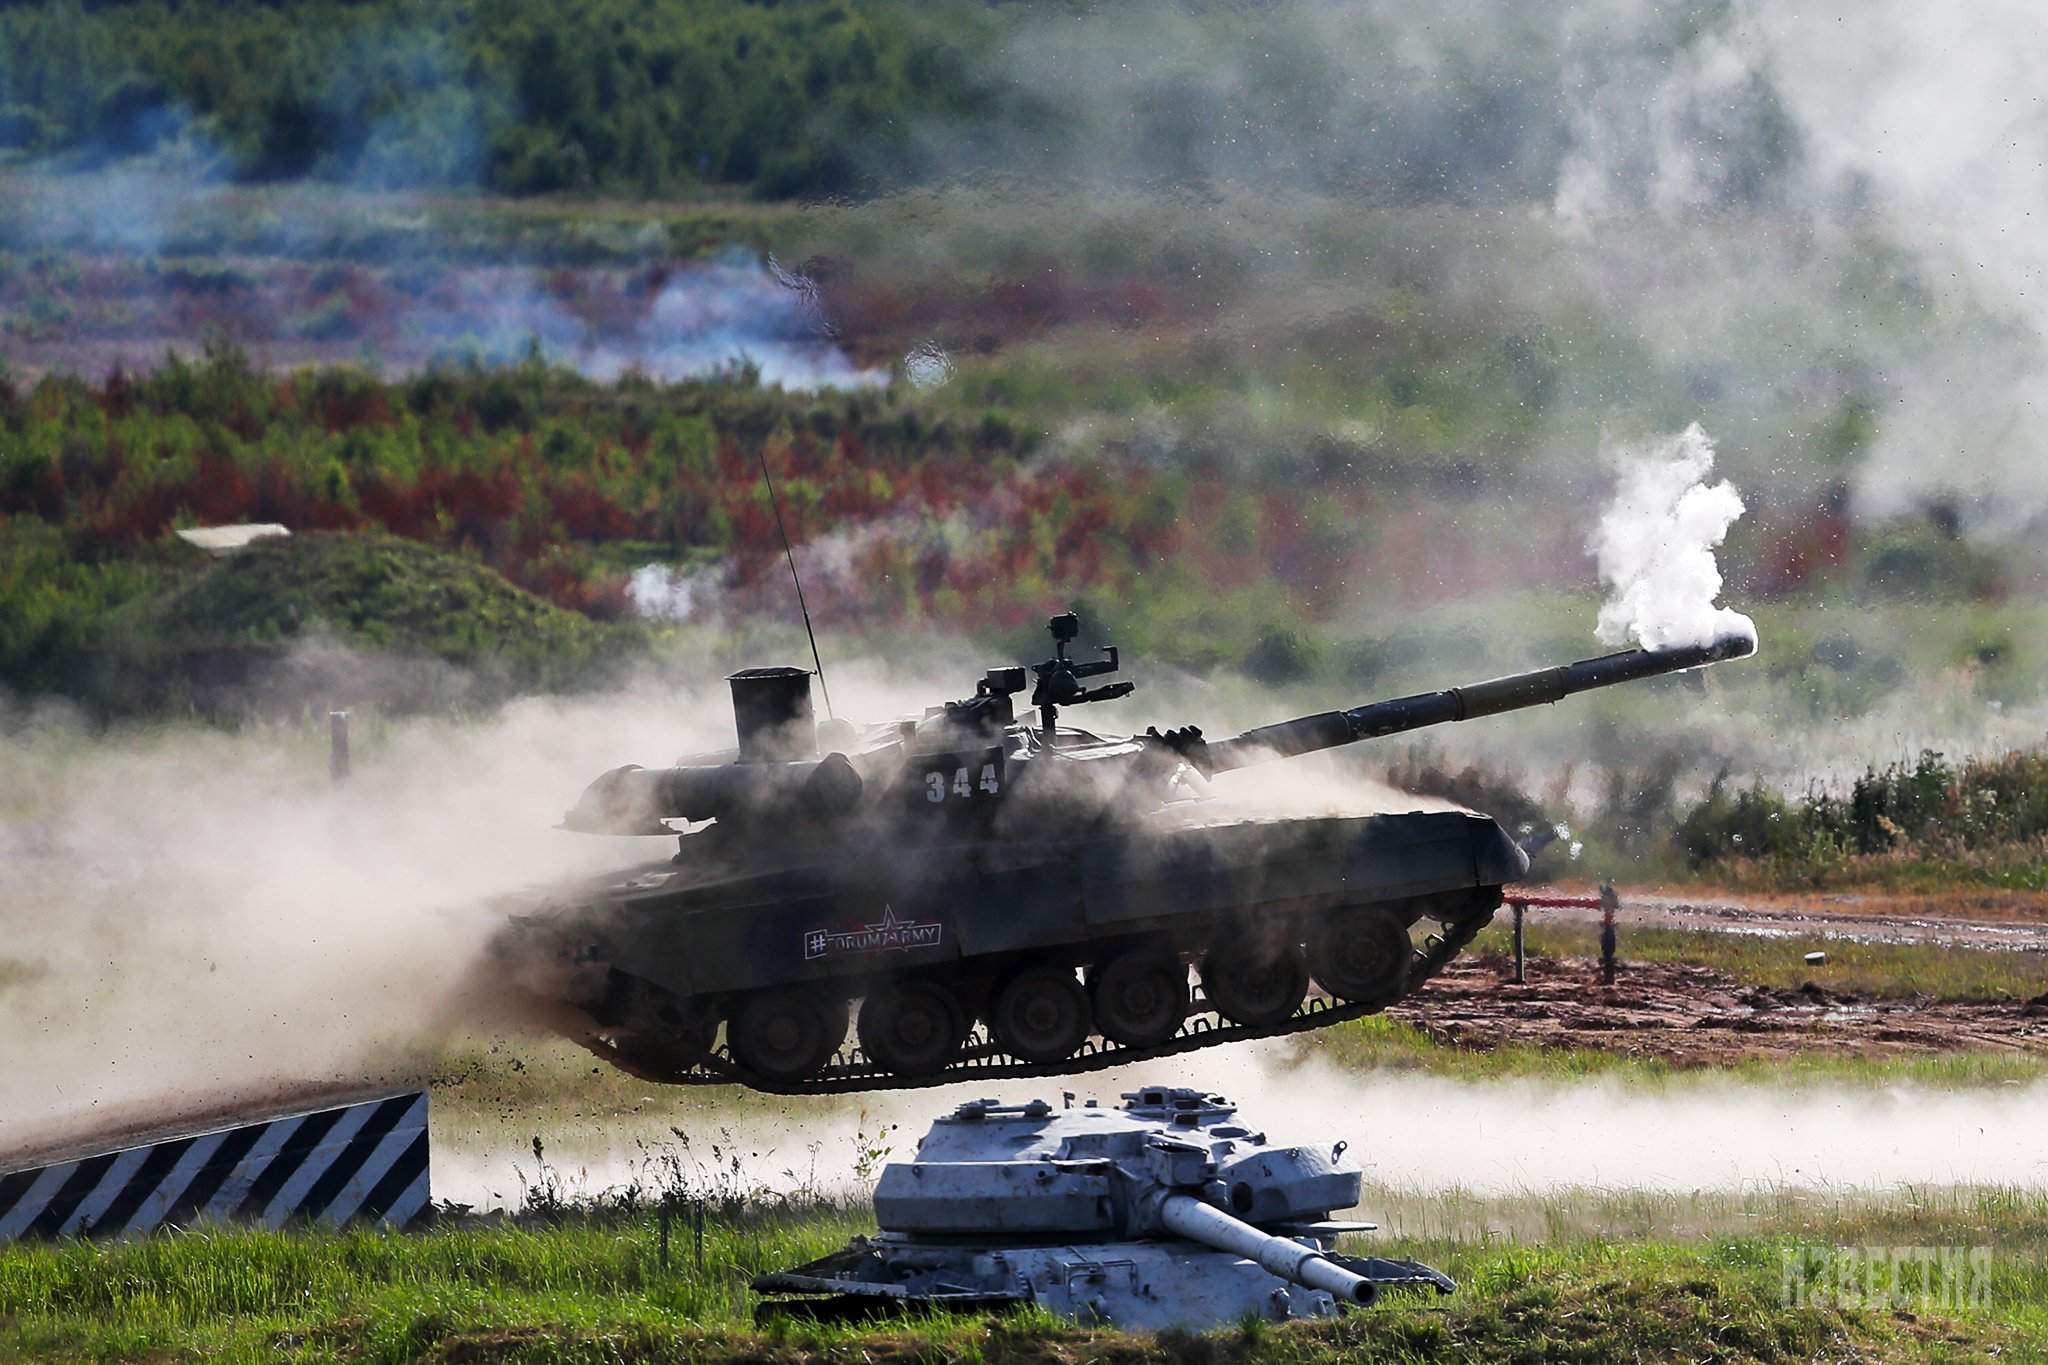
{"points": [[362, 1162]]}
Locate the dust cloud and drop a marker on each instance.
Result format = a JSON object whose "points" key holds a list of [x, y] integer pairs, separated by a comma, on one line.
{"points": [[195, 917], [190, 911], [1313, 785], [1410, 1132]]}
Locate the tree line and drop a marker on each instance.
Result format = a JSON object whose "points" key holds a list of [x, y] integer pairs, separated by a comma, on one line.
{"points": [[518, 96], [794, 98]]}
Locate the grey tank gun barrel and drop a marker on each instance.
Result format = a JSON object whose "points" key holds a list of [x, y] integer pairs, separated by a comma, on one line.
{"points": [[1381, 718], [1186, 1216]]}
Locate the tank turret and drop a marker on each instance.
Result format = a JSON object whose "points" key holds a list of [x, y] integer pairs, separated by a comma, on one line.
{"points": [[1167, 1211], [975, 887], [973, 753]]}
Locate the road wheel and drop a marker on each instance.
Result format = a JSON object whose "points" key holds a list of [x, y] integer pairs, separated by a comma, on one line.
{"points": [[1257, 985], [914, 1028], [1361, 954], [1140, 998], [786, 1035], [1041, 1015], [655, 1032]]}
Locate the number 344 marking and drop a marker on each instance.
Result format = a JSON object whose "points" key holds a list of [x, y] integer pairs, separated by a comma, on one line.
{"points": [[963, 785]]}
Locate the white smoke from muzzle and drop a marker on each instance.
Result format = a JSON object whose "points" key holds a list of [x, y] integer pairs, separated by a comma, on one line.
{"points": [[1656, 543]]}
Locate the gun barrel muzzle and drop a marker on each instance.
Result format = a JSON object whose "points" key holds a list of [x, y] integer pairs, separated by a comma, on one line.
{"points": [[1189, 1217]]}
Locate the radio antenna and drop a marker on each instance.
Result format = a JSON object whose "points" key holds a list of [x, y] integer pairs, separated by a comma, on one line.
{"points": [[775, 504]]}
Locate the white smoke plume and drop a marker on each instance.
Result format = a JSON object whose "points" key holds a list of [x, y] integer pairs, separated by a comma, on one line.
{"points": [[1936, 118], [1656, 543], [709, 318], [403, 308], [663, 592]]}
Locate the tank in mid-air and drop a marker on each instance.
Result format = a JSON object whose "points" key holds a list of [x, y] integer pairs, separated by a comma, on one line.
{"points": [[980, 891], [1167, 1211]]}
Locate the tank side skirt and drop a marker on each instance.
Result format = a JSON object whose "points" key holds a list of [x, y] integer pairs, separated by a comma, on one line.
{"points": [[850, 1073]]}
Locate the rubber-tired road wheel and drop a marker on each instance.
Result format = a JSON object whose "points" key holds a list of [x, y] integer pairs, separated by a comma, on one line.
{"points": [[1140, 998], [1257, 985], [1361, 954], [913, 1028], [1041, 1015], [786, 1034]]}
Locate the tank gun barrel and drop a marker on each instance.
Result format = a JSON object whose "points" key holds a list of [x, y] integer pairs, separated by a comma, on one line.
{"points": [[1186, 1216], [1381, 718]]}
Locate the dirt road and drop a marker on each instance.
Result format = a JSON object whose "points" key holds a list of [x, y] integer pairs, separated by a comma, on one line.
{"points": [[1696, 1016], [1994, 923]]}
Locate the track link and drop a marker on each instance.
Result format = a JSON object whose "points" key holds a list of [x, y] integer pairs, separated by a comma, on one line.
{"points": [[850, 1073]]}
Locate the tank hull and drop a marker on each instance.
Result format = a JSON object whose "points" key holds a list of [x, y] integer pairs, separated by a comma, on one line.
{"points": [[967, 912], [1134, 1286]]}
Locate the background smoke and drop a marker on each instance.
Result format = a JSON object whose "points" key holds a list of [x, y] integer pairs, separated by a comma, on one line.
{"points": [[1912, 126]]}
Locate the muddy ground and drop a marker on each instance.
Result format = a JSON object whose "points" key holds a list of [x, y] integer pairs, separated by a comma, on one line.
{"points": [[1700, 1017]]}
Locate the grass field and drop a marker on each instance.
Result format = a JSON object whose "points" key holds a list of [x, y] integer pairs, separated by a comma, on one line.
{"points": [[589, 1285], [1922, 970], [1394, 1044]]}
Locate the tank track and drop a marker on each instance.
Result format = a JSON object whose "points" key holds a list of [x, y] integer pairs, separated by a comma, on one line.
{"points": [[850, 1073]]}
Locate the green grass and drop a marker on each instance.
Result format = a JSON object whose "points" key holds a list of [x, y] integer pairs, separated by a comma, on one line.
{"points": [[590, 1286], [1381, 1043], [1890, 970], [409, 604], [2018, 866], [376, 588], [2013, 1216]]}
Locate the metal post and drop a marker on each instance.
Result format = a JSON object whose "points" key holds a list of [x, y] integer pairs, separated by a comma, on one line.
{"points": [[1609, 903], [337, 745], [697, 1222], [1520, 954]]}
